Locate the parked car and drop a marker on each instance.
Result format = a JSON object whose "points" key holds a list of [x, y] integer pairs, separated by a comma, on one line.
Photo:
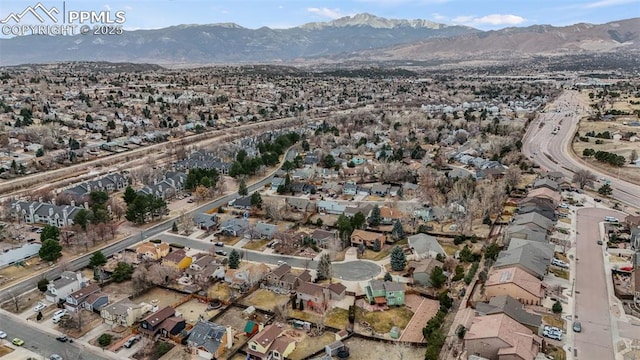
{"points": [[221, 252], [599, 242], [131, 341], [564, 205], [559, 263], [219, 243], [280, 262], [17, 342], [62, 338], [577, 327], [3, 334], [611, 219], [55, 357], [39, 307], [60, 313]]}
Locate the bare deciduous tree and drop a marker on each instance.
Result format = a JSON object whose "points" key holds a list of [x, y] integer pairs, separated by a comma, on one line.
{"points": [[584, 177], [513, 176]]}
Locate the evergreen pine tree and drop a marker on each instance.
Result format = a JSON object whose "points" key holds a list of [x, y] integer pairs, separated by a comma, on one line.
{"points": [[398, 259]]}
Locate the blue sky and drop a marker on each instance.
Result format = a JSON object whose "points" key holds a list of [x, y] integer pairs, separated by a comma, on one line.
{"points": [[482, 14]]}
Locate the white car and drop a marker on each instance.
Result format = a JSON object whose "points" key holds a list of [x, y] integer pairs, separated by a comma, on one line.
{"points": [[60, 313], [3, 334], [39, 307], [611, 219], [564, 206]]}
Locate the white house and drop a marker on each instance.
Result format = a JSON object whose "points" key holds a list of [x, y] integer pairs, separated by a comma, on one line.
{"points": [[64, 286]]}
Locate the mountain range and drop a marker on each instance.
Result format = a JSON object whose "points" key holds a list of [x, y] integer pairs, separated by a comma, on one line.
{"points": [[362, 37]]}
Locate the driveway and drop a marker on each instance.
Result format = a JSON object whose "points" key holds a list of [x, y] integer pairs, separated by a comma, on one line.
{"points": [[591, 295]]}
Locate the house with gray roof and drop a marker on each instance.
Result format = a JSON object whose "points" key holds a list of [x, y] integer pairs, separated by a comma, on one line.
{"points": [[424, 246], [527, 257], [171, 183], [205, 221], [330, 207], [234, 226], [524, 232], [47, 213], [546, 182], [62, 287], [210, 339], [512, 308], [534, 221], [22, 253], [108, 183], [264, 230]]}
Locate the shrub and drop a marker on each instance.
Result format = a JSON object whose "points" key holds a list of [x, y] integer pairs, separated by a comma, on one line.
{"points": [[42, 284], [471, 273], [155, 241], [105, 340], [557, 307], [177, 246]]}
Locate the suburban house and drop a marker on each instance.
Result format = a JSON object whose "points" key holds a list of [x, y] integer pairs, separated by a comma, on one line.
{"points": [[367, 238], [276, 182], [172, 326], [151, 251], [421, 270], [380, 190], [167, 187], [60, 288], [350, 188], [204, 221], [209, 340], [530, 256], [204, 268], [324, 237], [76, 299], [545, 193], [45, 213], [270, 343], [264, 230], [124, 312], [546, 182], [234, 226], [512, 308], [150, 325], [298, 204], [524, 232], [96, 301], [319, 296], [390, 215], [330, 207], [516, 283], [534, 221], [424, 246], [384, 293], [243, 203], [177, 259], [285, 279], [499, 337]]}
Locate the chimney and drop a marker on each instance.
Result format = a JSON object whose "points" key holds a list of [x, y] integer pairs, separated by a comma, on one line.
{"points": [[73, 203], [86, 205], [229, 338]]}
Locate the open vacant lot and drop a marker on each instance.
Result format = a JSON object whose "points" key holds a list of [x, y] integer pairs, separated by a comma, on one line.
{"points": [[192, 309], [265, 299], [159, 296], [363, 349]]}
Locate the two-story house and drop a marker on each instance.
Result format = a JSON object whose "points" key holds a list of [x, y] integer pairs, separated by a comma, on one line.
{"points": [[270, 343], [384, 293], [209, 340], [177, 259], [75, 301], [60, 288], [152, 251], [45, 213], [319, 296], [150, 325], [124, 313]]}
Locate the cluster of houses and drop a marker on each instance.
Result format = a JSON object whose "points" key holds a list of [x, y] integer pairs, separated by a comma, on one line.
{"points": [[502, 328]]}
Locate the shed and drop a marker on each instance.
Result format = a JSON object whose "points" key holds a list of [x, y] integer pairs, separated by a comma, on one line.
{"points": [[333, 348], [395, 332]]}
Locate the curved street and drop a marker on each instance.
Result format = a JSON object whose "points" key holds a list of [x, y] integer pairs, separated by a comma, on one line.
{"points": [[553, 153]]}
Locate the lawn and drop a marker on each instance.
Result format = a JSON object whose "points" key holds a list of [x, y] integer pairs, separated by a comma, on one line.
{"points": [[553, 320], [565, 220], [303, 315], [256, 244], [450, 249], [383, 321], [310, 345], [560, 273], [265, 299], [337, 318], [219, 291], [372, 255]]}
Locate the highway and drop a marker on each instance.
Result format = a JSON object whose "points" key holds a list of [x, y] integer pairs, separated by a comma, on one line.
{"points": [[553, 153], [83, 261]]}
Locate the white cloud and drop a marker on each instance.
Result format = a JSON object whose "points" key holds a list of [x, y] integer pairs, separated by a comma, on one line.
{"points": [[492, 19], [326, 12], [605, 3]]}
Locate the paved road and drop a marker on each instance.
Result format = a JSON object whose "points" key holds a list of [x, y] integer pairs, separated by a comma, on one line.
{"points": [[591, 295], [44, 343], [352, 270], [83, 261], [552, 152]]}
